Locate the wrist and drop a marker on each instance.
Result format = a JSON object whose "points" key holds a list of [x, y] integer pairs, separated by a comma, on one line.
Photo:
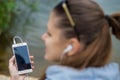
{"points": [[14, 78]]}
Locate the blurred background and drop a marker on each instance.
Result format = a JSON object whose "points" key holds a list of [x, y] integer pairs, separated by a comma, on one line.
{"points": [[28, 19]]}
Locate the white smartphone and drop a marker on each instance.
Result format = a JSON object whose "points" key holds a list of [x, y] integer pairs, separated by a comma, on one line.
{"points": [[21, 52]]}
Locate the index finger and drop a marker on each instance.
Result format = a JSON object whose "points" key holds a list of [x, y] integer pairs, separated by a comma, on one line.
{"points": [[11, 61]]}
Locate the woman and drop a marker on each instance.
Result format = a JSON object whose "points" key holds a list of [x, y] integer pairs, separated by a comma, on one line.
{"points": [[78, 38]]}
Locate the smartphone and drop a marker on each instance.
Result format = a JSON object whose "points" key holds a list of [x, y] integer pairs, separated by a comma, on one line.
{"points": [[21, 52]]}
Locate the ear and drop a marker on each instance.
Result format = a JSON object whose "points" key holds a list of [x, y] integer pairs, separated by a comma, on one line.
{"points": [[77, 46]]}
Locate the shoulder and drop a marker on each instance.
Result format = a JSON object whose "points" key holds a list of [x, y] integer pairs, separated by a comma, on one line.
{"points": [[109, 71], [51, 70], [57, 72]]}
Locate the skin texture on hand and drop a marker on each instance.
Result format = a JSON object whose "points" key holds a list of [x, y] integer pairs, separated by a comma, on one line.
{"points": [[13, 69]]}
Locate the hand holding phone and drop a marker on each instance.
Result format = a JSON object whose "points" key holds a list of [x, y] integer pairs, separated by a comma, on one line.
{"points": [[21, 52], [14, 71]]}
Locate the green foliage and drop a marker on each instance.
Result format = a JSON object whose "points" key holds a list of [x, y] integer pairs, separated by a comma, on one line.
{"points": [[6, 9]]}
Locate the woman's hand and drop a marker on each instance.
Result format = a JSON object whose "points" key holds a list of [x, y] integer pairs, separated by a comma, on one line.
{"points": [[14, 71]]}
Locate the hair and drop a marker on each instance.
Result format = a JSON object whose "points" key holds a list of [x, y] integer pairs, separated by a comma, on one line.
{"points": [[94, 30]]}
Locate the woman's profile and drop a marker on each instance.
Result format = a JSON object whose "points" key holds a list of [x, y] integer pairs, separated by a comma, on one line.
{"points": [[78, 39]]}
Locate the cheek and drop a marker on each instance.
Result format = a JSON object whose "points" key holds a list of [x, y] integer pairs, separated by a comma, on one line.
{"points": [[53, 51]]}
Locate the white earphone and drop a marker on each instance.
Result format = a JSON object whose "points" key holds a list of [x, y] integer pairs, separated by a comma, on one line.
{"points": [[69, 48]]}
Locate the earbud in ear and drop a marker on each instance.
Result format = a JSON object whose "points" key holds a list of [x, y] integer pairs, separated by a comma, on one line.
{"points": [[69, 48]]}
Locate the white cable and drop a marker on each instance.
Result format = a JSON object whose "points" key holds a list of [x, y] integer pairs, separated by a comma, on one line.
{"points": [[17, 37], [61, 57], [26, 77]]}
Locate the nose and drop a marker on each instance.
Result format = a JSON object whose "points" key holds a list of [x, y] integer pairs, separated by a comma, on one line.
{"points": [[43, 37]]}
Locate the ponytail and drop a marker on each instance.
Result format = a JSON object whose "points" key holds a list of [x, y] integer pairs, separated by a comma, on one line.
{"points": [[114, 22]]}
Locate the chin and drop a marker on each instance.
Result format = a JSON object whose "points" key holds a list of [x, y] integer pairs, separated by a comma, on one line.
{"points": [[47, 58]]}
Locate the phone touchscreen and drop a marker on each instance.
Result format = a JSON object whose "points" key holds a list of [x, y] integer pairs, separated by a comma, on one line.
{"points": [[22, 57]]}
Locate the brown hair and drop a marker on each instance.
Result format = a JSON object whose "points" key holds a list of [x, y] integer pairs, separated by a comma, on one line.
{"points": [[93, 28]]}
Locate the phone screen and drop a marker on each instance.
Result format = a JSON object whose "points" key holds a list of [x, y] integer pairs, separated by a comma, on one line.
{"points": [[22, 57]]}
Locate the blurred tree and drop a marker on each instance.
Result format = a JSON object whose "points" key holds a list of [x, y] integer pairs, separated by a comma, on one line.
{"points": [[14, 18], [6, 10]]}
